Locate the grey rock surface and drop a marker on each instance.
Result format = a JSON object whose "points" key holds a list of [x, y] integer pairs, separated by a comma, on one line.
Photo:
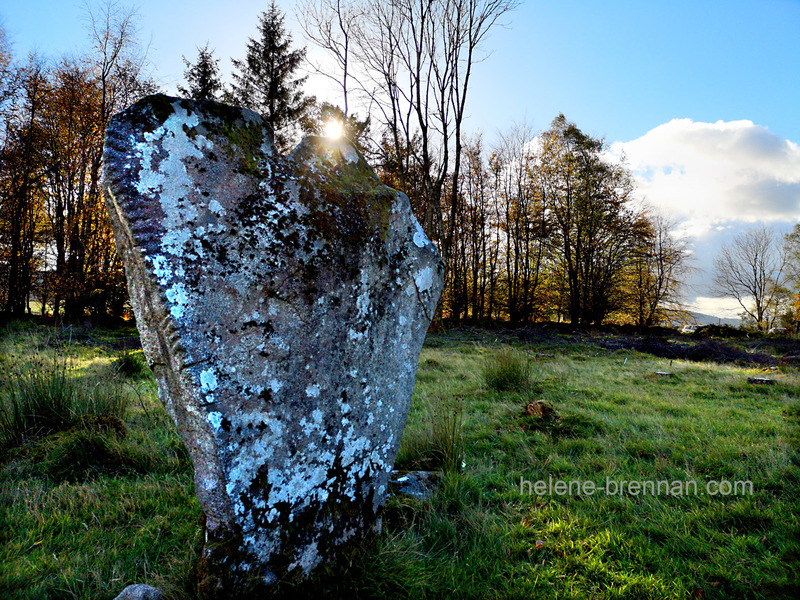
{"points": [[140, 591], [282, 304], [419, 485]]}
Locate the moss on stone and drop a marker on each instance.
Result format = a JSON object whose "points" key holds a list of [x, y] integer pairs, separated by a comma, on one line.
{"points": [[329, 180], [248, 139], [161, 106], [236, 133], [150, 112]]}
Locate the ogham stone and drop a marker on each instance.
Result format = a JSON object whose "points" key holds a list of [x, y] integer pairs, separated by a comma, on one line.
{"points": [[282, 304]]}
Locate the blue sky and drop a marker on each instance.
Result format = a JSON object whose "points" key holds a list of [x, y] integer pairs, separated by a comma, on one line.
{"points": [[703, 97], [619, 69]]}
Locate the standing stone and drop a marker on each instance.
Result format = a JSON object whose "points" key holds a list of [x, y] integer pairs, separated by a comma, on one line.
{"points": [[282, 304]]}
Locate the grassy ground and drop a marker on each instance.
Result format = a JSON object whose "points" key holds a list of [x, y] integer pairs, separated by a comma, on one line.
{"points": [[88, 510]]}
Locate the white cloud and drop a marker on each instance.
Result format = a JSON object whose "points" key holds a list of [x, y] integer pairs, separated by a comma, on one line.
{"points": [[717, 179], [726, 308], [711, 174]]}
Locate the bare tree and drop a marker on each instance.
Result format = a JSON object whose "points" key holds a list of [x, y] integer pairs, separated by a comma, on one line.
{"points": [[474, 240], [752, 269], [117, 59], [657, 271], [330, 25], [523, 221], [411, 61], [8, 75]]}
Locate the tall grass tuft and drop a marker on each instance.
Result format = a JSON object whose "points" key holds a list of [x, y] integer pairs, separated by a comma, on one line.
{"points": [[42, 396], [507, 371], [436, 442], [447, 441], [792, 413], [132, 364]]}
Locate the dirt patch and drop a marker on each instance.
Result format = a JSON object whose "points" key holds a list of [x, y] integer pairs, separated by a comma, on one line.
{"points": [[538, 409], [736, 346], [703, 350]]}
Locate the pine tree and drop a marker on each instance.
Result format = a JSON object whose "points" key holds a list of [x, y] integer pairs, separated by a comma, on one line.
{"points": [[266, 80], [202, 77]]}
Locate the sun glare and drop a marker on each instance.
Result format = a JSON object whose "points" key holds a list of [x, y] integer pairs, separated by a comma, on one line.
{"points": [[333, 129]]}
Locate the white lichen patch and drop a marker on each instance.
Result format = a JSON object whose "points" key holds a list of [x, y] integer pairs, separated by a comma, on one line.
{"points": [[174, 242], [215, 418], [216, 207], [170, 181], [362, 303], [208, 380], [172, 184], [349, 153], [424, 279], [178, 296], [420, 239], [308, 558]]}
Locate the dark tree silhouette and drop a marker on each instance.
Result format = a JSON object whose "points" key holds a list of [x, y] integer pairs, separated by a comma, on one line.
{"points": [[593, 226], [353, 129], [202, 76], [266, 80]]}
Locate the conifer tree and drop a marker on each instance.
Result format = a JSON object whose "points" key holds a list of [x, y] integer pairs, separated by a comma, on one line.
{"points": [[202, 77], [266, 79]]}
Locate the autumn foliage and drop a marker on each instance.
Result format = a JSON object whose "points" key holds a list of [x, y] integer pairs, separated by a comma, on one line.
{"points": [[540, 226]]}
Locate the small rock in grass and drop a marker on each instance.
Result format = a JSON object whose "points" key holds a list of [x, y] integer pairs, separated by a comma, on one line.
{"points": [[140, 591], [416, 484]]}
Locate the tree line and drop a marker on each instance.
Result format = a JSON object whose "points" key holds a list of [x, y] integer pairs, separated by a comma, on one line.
{"points": [[56, 246], [539, 226], [547, 229]]}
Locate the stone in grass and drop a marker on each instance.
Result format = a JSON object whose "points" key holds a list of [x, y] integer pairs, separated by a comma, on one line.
{"points": [[419, 485], [761, 380], [282, 304], [140, 591]]}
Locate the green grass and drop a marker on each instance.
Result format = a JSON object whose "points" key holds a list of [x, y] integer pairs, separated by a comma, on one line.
{"points": [[86, 511], [104, 500], [41, 394], [507, 371], [132, 364]]}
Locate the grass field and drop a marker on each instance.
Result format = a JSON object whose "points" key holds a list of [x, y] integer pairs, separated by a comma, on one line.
{"points": [[106, 499]]}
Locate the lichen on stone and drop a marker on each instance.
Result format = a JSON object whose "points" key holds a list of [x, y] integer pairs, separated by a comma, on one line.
{"points": [[283, 302]]}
